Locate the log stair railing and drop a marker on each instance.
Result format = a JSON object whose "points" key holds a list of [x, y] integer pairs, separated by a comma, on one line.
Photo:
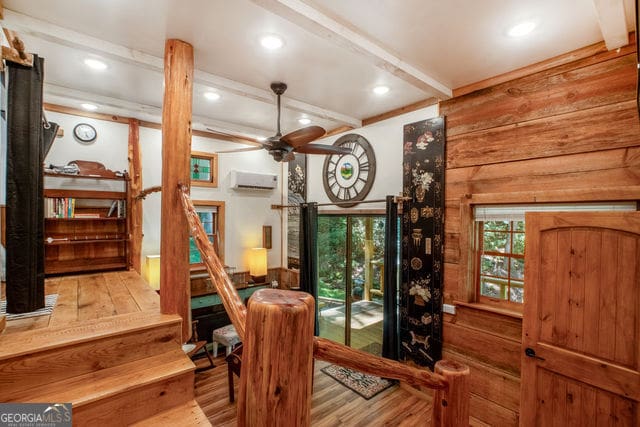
{"points": [[279, 347]]}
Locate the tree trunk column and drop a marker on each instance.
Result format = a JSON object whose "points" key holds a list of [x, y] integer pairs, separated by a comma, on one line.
{"points": [[451, 405], [277, 360], [175, 290]]}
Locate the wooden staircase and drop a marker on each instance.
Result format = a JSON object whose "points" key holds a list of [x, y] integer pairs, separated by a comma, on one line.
{"points": [[116, 371]]}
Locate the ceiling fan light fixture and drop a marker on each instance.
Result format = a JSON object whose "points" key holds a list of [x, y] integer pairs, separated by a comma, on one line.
{"points": [[212, 96], [380, 90], [271, 42], [95, 64], [304, 121], [89, 107], [521, 29]]}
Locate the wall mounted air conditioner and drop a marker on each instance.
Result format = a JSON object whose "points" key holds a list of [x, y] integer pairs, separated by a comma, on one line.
{"points": [[241, 180]]}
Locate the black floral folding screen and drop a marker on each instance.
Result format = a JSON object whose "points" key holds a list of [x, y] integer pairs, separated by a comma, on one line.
{"points": [[422, 241], [297, 183]]}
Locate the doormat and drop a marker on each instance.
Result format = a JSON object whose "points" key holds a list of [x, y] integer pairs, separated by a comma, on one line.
{"points": [[49, 303], [365, 385]]}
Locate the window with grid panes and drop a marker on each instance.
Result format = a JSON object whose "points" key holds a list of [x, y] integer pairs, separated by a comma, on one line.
{"points": [[501, 260], [209, 217], [500, 243]]}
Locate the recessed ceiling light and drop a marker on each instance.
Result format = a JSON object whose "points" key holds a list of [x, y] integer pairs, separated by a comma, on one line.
{"points": [[271, 42], [212, 96], [380, 90], [522, 29], [304, 121], [95, 64], [90, 107]]}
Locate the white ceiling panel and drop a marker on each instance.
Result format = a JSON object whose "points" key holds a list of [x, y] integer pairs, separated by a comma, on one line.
{"points": [[453, 42]]}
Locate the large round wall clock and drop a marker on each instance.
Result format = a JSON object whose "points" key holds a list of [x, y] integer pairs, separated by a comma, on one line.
{"points": [[349, 177]]}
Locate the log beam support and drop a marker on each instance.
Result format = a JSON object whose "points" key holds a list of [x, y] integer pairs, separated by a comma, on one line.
{"points": [[135, 185], [451, 405], [277, 360], [175, 289]]}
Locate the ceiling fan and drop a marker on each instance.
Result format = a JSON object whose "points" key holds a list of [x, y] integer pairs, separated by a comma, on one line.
{"points": [[282, 148]]}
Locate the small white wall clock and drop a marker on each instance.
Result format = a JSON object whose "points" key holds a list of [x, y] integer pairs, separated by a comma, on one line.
{"points": [[84, 133]]}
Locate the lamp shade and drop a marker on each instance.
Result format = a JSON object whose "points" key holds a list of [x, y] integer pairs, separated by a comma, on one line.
{"points": [[258, 262], [153, 271]]}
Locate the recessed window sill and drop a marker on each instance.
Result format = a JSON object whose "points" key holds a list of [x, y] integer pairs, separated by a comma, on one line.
{"points": [[492, 309]]}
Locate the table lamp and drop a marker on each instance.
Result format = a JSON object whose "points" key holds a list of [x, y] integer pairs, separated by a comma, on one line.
{"points": [[258, 264], [153, 271]]}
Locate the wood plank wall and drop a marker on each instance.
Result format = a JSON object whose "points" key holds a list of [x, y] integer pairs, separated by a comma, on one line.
{"points": [[573, 128]]}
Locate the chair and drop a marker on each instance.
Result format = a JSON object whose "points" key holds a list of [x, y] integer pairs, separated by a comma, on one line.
{"points": [[194, 346], [234, 363], [226, 336]]}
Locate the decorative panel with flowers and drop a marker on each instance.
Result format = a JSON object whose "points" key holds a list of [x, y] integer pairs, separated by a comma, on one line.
{"points": [[422, 241]]}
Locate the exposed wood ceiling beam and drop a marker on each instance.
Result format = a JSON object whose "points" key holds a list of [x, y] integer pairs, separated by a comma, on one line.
{"points": [[317, 22], [613, 23], [399, 111], [60, 35], [59, 95], [143, 123]]}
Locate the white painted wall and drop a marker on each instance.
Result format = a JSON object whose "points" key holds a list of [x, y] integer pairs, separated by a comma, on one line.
{"points": [[245, 211], [386, 139]]}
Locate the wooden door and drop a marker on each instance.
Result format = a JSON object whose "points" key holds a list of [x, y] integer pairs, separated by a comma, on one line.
{"points": [[581, 327]]}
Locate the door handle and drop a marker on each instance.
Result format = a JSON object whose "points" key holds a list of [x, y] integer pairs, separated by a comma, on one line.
{"points": [[529, 352]]}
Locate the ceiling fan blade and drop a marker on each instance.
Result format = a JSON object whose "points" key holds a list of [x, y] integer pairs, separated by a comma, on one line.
{"points": [[239, 150], [322, 149], [233, 138], [303, 136]]}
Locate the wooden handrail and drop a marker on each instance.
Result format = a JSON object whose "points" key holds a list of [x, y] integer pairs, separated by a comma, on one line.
{"points": [[340, 354], [228, 293], [451, 401]]}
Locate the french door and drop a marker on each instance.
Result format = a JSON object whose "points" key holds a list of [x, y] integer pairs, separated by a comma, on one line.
{"points": [[351, 279]]}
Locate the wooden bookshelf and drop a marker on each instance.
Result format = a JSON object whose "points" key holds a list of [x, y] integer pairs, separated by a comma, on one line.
{"points": [[86, 230]]}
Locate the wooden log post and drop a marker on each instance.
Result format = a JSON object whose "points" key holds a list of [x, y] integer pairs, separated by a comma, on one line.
{"points": [[451, 405], [277, 360], [134, 204], [175, 289]]}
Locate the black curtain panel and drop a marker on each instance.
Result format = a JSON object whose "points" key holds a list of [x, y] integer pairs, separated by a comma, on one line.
{"points": [[422, 241], [25, 203], [309, 253], [390, 328]]}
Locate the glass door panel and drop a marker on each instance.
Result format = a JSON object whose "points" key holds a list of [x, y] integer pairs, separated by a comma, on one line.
{"points": [[351, 280], [332, 246], [367, 274]]}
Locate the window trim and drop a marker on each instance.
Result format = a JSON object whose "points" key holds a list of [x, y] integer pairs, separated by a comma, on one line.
{"points": [[213, 158], [466, 269], [219, 205]]}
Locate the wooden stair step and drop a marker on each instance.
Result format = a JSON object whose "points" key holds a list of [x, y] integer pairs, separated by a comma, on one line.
{"points": [[187, 414], [122, 394], [78, 332], [82, 349]]}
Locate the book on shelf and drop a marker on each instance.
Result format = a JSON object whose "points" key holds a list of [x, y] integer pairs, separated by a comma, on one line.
{"points": [[112, 208], [59, 207], [86, 215]]}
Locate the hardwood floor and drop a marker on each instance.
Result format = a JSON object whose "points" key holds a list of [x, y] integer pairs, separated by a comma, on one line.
{"points": [[91, 296], [332, 405]]}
